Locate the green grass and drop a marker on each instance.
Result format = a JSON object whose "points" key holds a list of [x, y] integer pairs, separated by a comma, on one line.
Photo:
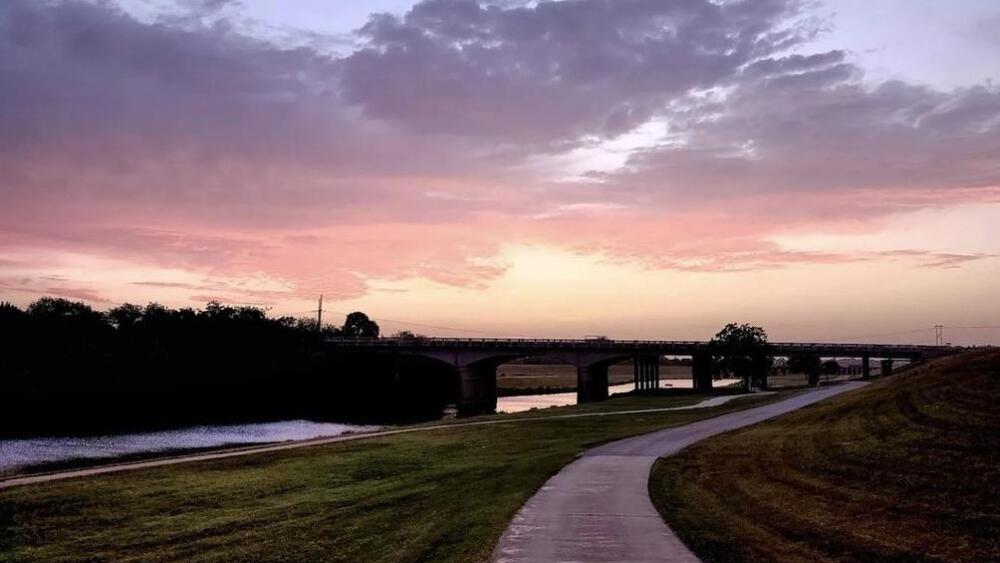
{"points": [[905, 470], [440, 495]]}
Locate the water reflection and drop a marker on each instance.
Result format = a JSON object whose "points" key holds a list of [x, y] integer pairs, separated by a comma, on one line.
{"points": [[528, 402], [19, 454], [16, 454]]}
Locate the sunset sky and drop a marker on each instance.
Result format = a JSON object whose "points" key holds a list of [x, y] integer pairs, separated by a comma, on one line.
{"points": [[634, 168]]}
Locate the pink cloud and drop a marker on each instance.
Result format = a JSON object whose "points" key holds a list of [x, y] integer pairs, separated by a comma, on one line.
{"points": [[78, 293], [201, 149]]}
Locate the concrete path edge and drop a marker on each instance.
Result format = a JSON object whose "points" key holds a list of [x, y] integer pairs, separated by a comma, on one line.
{"points": [[597, 508]]}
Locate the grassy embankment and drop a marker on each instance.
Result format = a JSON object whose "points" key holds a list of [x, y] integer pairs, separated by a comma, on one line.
{"points": [[662, 399], [907, 469], [442, 495]]}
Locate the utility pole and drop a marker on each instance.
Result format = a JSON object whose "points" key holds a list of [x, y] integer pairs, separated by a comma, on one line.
{"points": [[319, 314], [939, 335]]}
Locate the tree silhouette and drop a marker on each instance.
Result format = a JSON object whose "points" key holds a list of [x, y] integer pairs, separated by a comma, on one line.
{"points": [[67, 369], [809, 364], [359, 325], [742, 351], [125, 317]]}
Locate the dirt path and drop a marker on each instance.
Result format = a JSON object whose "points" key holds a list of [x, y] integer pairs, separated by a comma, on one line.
{"points": [[253, 450], [598, 508]]}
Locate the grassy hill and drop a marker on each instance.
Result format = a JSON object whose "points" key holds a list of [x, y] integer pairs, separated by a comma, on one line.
{"points": [[906, 469]]}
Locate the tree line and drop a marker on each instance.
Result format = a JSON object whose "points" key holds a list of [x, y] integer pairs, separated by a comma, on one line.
{"points": [[66, 368]]}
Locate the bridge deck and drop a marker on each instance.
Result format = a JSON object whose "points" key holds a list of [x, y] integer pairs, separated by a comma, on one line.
{"points": [[662, 347]]}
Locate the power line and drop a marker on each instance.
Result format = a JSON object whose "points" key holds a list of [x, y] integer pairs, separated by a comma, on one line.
{"points": [[899, 333], [423, 325], [938, 329]]}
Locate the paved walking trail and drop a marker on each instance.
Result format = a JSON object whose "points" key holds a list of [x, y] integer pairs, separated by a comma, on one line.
{"points": [[598, 508], [252, 450]]}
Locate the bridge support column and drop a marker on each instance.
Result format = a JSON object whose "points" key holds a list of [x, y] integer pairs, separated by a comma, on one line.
{"points": [[636, 374], [478, 392], [701, 372], [887, 366], [646, 370], [866, 367], [654, 365], [591, 383]]}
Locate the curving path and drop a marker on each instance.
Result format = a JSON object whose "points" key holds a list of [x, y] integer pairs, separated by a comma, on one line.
{"points": [[598, 508]]}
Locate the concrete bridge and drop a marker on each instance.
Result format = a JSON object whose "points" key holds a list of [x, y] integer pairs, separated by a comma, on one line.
{"points": [[476, 359]]}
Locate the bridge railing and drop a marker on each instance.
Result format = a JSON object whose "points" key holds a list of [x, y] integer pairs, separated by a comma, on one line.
{"points": [[601, 343]]}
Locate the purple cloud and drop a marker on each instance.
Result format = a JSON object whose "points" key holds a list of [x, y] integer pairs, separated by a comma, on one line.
{"points": [[818, 129], [556, 71], [195, 145]]}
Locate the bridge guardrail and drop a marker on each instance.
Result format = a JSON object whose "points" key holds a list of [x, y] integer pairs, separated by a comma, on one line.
{"points": [[595, 343]]}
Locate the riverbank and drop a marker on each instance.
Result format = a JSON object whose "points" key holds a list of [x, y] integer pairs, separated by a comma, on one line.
{"points": [[904, 470], [443, 494], [88, 467], [44, 454]]}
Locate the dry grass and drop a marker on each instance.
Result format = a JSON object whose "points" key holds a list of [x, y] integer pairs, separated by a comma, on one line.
{"points": [[907, 469]]}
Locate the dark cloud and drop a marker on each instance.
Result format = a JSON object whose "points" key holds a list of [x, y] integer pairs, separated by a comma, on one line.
{"points": [[813, 126], [191, 143], [555, 71], [104, 116], [73, 69]]}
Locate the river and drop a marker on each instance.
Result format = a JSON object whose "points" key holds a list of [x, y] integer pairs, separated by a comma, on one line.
{"points": [[22, 453], [527, 402]]}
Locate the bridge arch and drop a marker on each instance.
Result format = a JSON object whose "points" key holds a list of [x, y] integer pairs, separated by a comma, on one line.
{"points": [[475, 359], [477, 373]]}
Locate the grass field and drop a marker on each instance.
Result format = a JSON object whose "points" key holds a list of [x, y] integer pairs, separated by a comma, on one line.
{"points": [[442, 495], [905, 470]]}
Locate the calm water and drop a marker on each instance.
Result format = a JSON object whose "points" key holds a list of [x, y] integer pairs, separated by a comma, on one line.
{"points": [[528, 402], [16, 454]]}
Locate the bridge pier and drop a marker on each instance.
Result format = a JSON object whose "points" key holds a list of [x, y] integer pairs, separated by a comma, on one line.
{"points": [[591, 382], [478, 389], [701, 372], [646, 372], [636, 377], [887, 366], [473, 362]]}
